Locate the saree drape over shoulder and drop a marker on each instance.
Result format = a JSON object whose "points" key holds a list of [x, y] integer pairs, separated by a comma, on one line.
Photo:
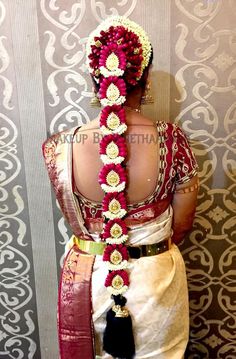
{"points": [[157, 296]]}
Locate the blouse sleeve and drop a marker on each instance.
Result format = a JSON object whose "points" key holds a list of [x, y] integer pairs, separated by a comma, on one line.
{"points": [[185, 159]]}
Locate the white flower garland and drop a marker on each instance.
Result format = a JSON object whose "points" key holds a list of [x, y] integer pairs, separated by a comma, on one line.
{"points": [[106, 73], [105, 102], [123, 238], [122, 212], [114, 291], [119, 130], [111, 189], [107, 161], [122, 265]]}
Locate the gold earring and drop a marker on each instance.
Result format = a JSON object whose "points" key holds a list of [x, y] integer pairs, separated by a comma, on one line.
{"points": [[147, 98], [95, 102]]}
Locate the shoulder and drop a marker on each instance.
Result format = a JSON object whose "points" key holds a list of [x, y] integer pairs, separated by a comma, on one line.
{"points": [[170, 128], [92, 124], [173, 133], [50, 144]]}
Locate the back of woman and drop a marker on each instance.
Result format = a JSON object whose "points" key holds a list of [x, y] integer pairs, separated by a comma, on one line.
{"points": [[142, 161], [128, 189]]}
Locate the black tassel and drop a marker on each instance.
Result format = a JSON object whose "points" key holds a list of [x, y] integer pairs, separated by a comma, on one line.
{"points": [[118, 339]]}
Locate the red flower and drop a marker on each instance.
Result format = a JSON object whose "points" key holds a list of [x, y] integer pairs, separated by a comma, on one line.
{"points": [[119, 39], [118, 140], [112, 51], [120, 248], [112, 91], [106, 169], [120, 197], [121, 273], [110, 223], [116, 110]]}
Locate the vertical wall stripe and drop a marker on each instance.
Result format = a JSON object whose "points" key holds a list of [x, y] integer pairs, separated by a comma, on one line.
{"points": [[155, 18], [18, 311], [33, 131]]}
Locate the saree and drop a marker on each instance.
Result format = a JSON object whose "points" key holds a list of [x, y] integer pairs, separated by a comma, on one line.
{"points": [[157, 296]]}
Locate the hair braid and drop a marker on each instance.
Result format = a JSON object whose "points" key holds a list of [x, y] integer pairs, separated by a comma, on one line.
{"points": [[118, 52]]}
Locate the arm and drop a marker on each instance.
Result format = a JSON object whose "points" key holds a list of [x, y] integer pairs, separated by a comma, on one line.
{"points": [[184, 206]]}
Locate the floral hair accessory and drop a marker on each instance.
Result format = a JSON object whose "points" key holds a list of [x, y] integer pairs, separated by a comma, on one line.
{"points": [[112, 61], [115, 232], [118, 52], [112, 178], [114, 205], [117, 282], [112, 149], [129, 36], [112, 120], [112, 91], [116, 256]]}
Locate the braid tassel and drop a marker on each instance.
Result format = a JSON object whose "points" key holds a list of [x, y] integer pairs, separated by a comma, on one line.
{"points": [[118, 337]]}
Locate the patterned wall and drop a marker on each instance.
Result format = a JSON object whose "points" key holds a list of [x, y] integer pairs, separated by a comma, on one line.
{"points": [[18, 310], [203, 61], [44, 88]]}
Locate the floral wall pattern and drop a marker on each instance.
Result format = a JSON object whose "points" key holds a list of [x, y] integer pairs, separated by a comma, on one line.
{"points": [[45, 88]]}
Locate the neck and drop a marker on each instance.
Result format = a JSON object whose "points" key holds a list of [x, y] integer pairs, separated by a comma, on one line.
{"points": [[136, 109], [133, 99]]}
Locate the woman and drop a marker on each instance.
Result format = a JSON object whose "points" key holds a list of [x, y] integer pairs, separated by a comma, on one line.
{"points": [[128, 237]]}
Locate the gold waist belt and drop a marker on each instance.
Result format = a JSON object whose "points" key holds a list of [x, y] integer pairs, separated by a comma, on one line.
{"points": [[97, 248]]}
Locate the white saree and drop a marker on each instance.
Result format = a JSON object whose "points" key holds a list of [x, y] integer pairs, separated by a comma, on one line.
{"points": [[157, 296]]}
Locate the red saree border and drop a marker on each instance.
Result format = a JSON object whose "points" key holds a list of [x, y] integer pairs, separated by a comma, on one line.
{"points": [[75, 326]]}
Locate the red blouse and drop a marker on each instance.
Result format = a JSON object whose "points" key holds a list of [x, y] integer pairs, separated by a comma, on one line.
{"points": [[177, 165]]}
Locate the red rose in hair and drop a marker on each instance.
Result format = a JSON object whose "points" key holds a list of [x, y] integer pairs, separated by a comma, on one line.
{"points": [[112, 91], [112, 60], [109, 224], [118, 140], [114, 205], [119, 248], [112, 178], [116, 109], [122, 273]]}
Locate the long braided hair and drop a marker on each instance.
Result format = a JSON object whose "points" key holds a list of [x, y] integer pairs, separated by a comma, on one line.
{"points": [[118, 52]]}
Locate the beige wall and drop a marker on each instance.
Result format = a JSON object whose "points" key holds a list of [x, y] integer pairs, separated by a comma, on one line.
{"points": [[44, 88]]}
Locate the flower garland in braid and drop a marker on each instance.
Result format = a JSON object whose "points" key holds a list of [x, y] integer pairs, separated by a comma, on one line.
{"points": [[118, 52]]}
